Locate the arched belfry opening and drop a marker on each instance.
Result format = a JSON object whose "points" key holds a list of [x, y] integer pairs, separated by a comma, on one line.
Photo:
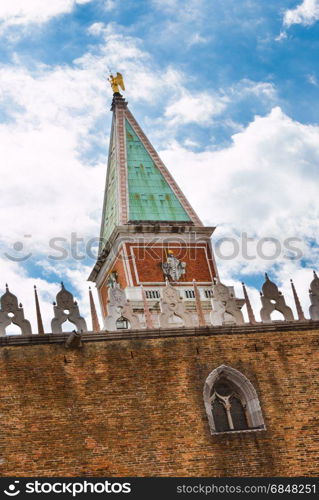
{"points": [[231, 402]]}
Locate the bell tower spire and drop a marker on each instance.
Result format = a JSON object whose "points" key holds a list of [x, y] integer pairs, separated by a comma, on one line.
{"points": [[149, 230]]}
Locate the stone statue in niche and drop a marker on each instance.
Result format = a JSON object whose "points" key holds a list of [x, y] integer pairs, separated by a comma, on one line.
{"points": [[226, 308], [314, 297], [66, 308], [12, 312], [273, 300], [118, 308], [172, 305], [173, 268], [112, 279]]}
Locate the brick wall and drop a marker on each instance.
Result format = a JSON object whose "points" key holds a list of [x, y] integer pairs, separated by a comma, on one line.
{"points": [[135, 407]]}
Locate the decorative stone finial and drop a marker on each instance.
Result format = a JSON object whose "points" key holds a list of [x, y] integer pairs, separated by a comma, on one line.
{"points": [[12, 312], [270, 289], [65, 309]]}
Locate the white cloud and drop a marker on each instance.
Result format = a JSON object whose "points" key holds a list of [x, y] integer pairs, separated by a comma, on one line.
{"points": [[246, 87], [96, 29], [196, 39], [109, 4], [282, 36], [189, 143], [313, 80], [306, 13], [44, 179], [265, 184], [166, 4], [143, 79], [147, 82], [52, 117], [19, 12], [200, 108], [177, 6]]}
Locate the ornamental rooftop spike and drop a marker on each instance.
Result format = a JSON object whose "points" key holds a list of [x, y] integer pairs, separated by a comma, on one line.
{"points": [[299, 310], [249, 308], [38, 312], [94, 317]]}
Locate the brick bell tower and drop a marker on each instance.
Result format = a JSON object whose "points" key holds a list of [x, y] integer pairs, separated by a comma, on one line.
{"points": [[151, 238]]}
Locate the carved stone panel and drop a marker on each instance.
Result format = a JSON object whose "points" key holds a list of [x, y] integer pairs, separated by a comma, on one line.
{"points": [[119, 308], [172, 305], [225, 306]]}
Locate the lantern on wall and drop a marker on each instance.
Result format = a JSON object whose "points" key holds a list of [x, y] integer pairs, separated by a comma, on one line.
{"points": [[122, 323]]}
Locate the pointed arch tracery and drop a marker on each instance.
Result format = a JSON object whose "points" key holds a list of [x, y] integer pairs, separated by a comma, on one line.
{"points": [[231, 402]]}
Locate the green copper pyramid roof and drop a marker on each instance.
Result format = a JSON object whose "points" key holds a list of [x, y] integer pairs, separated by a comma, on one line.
{"points": [[110, 210], [150, 196]]}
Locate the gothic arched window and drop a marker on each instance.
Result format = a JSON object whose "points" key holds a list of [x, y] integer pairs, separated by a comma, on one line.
{"points": [[231, 402]]}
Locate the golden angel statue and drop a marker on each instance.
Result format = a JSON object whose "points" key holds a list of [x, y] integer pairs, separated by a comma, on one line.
{"points": [[116, 82]]}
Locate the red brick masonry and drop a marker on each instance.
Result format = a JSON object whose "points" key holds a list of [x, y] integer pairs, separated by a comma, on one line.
{"points": [[131, 404]]}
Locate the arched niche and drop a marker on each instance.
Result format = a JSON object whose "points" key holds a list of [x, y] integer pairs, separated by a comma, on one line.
{"points": [[228, 390]]}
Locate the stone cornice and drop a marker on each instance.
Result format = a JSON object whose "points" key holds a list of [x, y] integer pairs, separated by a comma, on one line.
{"points": [[137, 229], [208, 331]]}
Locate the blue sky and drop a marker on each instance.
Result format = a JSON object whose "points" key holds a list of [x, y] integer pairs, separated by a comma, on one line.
{"points": [[227, 92]]}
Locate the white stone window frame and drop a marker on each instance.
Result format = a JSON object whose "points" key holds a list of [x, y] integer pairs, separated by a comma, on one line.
{"points": [[247, 394], [153, 294]]}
